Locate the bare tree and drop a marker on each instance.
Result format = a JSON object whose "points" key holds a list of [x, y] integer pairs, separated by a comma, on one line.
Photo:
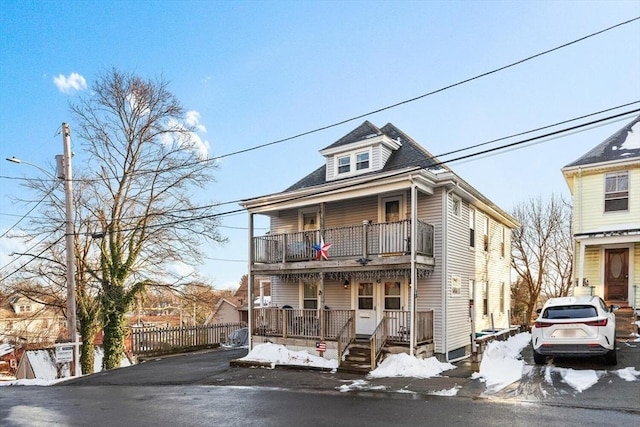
{"points": [[147, 163], [542, 253]]}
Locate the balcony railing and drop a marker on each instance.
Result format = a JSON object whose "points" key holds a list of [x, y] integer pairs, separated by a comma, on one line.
{"points": [[300, 323], [389, 238]]}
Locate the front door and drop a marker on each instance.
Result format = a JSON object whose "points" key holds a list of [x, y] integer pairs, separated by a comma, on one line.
{"points": [[366, 316], [616, 271]]}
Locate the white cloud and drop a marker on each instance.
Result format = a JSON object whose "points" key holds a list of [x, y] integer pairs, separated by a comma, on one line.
{"points": [[193, 119], [74, 82], [192, 139]]}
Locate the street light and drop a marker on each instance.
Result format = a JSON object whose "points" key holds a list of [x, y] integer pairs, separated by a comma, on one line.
{"points": [[64, 173]]}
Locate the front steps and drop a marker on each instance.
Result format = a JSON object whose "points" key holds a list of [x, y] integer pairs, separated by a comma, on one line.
{"points": [[358, 360]]}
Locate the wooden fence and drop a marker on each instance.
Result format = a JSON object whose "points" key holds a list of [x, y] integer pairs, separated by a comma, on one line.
{"points": [[155, 341]]}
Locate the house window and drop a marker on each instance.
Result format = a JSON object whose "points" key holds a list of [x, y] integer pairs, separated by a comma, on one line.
{"points": [[344, 164], [365, 296], [309, 221], [616, 191], [472, 228], [392, 210], [457, 206], [455, 285], [485, 234], [310, 295], [502, 241], [485, 299], [472, 297], [362, 161], [392, 295]]}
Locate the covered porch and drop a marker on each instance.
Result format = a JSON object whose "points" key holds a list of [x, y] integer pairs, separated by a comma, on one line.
{"points": [[332, 333]]}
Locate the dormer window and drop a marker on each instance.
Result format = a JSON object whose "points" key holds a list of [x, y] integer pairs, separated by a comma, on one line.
{"points": [[362, 161], [344, 164]]}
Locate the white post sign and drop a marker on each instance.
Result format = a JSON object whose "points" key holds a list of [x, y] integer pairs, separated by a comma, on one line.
{"points": [[64, 353]]}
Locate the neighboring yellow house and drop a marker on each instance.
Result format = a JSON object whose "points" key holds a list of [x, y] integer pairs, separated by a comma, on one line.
{"points": [[605, 188]]}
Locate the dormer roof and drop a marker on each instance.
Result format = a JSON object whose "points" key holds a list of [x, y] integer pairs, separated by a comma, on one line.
{"points": [[403, 152]]}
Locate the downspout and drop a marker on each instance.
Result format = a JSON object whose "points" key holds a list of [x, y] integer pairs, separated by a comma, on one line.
{"points": [[579, 230], [413, 285], [250, 283]]}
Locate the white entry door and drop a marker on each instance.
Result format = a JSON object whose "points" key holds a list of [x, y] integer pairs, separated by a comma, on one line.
{"points": [[366, 312]]}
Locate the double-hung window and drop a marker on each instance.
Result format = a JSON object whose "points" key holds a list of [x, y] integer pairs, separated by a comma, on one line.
{"points": [[362, 161], [616, 191], [344, 164], [472, 228]]}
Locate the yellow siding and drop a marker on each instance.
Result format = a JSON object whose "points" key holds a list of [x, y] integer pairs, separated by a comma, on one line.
{"points": [[636, 275], [588, 204]]}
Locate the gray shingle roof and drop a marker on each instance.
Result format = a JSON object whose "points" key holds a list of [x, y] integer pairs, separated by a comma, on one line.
{"points": [[409, 154], [622, 145]]}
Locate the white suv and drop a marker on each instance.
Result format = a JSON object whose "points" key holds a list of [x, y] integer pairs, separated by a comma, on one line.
{"points": [[575, 327]]}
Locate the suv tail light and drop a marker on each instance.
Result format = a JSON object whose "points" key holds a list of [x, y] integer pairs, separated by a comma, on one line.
{"points": [[601, 322], [542, 324]]}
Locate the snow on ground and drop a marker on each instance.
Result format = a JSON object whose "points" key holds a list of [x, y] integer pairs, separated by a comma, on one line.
{"points": [[451, 392], [44, 367], [628, 374], [502, 363], [279, 355], [403, 365]]}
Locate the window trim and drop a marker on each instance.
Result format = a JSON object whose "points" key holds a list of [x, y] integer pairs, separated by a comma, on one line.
{"points": [[617, 194], [472, 228], [456, 202], [456, 286], [353, 162], [485, 233]]}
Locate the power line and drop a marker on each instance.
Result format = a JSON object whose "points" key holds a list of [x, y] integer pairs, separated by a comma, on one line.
{"points": [[418, 165], [397, 104], [237, 201]]}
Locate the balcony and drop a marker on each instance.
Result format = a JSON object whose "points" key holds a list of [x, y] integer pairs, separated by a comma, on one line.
{"points": [[359, 241]]}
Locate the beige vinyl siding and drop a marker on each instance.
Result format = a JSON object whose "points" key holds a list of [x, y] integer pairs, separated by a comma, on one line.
{"points": [[385, 153], [495, 269], [636, 276], [331, 168], [336, 297], [430, 289], [376, 158], [285, 293], [460, 264], [285, 222], [351, 212], [588, 204]]}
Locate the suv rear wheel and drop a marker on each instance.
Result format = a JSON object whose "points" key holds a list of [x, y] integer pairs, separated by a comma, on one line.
{"points": [[611, 358], [539, 358]]}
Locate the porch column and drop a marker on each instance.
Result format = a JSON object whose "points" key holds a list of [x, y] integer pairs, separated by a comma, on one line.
{"points": [[414, 276], [580, 264], [321, 306], [250, 282]]}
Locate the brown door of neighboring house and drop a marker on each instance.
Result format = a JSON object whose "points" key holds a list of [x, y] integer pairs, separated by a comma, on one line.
{"points": [[616, 266]]}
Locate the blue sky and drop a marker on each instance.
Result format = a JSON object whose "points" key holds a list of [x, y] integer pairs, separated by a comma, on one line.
{"points": [[259, 71]]}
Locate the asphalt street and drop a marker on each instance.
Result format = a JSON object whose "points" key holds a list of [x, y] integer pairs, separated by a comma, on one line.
{"points": [[213, 368]]}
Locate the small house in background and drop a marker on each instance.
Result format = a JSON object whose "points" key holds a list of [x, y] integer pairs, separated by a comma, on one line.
{"points": [[605, 190], [225, 311], [29, 321], [382, 247]]}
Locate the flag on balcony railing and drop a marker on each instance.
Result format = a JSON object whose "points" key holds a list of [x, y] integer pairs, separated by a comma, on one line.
{"points": [[322, 249]]}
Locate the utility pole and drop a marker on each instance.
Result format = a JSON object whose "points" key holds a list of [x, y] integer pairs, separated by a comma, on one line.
{"points": [[65, 174]]}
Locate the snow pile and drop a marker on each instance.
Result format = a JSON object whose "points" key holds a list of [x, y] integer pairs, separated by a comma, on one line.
{"points": [[451, 392], [403, 365], [629, 374], [359, 385], [502, 363], [279, 355]]}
